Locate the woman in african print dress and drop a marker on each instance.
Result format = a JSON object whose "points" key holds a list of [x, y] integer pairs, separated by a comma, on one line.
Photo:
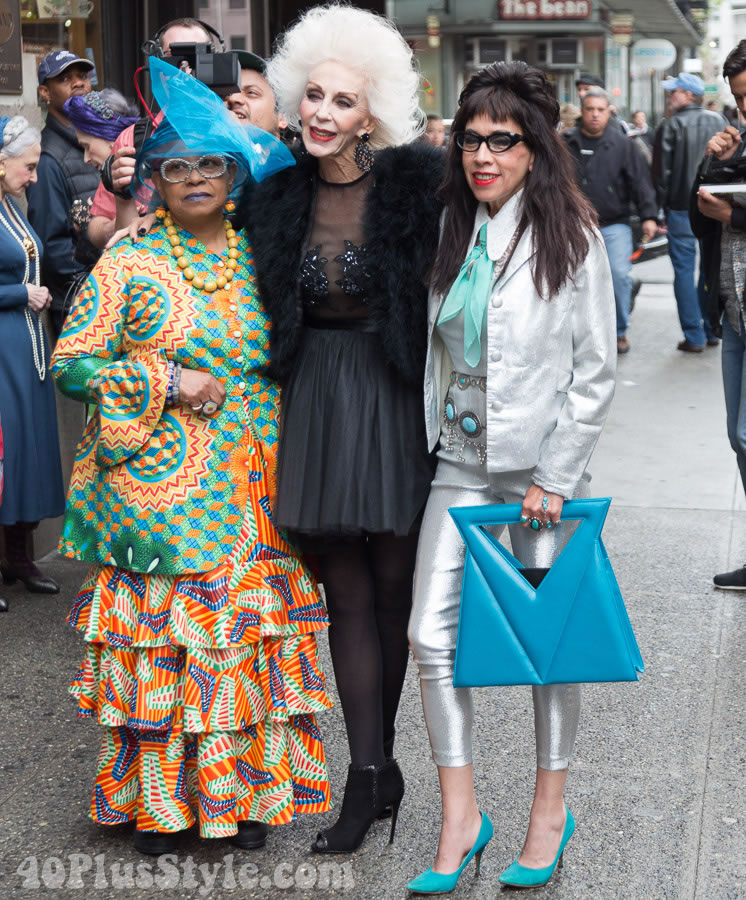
{"points": [[199, 616]]}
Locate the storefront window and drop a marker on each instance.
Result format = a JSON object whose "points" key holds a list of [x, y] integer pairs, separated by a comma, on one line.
{"points": [[73, 25], [431, 91]]}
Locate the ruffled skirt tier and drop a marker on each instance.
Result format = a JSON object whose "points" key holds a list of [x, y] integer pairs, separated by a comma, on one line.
{"points": [[208, 685]]}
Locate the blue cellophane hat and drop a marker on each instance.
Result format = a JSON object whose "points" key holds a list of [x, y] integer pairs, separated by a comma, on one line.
{"points": [[197, 123]]}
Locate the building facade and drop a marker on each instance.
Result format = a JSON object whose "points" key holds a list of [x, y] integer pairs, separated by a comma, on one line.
{"points": [[563, 37]]}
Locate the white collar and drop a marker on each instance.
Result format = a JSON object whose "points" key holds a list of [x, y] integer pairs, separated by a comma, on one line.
{"points": [[500, 227]]}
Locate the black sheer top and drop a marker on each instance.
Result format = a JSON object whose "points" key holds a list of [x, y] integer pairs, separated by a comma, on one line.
{"points": [[334, 278]]}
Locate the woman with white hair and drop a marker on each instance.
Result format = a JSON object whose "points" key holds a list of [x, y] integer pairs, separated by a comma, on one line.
{"points": [[33, 476], [342, 244]]}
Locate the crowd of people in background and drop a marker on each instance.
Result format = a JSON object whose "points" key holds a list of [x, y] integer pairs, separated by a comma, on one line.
{"points": [[403, 282]]}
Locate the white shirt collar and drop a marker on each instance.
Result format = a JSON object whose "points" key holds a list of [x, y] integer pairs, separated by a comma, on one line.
{"points": [[500, 227]]}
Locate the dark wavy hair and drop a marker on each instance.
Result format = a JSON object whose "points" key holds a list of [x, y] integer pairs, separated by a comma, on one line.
{"points": [[735, 61], [552, 203]]}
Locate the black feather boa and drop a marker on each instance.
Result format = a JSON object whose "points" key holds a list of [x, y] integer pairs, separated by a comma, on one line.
{"points": [[401, 227]]}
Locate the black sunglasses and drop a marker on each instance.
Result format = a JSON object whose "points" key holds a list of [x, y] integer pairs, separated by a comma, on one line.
{"points": [[497, 142]]}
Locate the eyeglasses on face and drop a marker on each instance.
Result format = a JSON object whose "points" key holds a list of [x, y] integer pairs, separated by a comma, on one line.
{"points": [[178, 170], [497, 142]]}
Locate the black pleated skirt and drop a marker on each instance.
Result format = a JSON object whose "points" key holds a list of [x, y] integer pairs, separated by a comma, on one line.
{"points": [[353, 454]]}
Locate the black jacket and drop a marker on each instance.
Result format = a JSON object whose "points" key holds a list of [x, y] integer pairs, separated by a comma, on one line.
{"points": [[614, 177], [709, 232], [63, 177], [401, 226], [679, 147]]}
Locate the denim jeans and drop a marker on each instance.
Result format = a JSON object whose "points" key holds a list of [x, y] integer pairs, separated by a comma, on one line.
{"points": [[618, 240], [734, 385], [690, 298]]}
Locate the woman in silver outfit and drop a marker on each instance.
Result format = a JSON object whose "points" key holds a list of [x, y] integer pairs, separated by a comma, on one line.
{"points": [[519, 378]]}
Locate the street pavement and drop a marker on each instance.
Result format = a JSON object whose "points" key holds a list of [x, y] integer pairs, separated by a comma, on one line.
{"points": [[658, 787]]}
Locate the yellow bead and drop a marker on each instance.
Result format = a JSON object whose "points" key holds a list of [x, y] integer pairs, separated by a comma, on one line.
{"points": [[171, 229], [227, 224], [229, 274], [189, 273], [198, 282], [232, 264], [233, 253], [230, 233], [222, 281], [175, 240], [168, 221], [182, 262], [233, 242], [210, 286], [178, 251]]}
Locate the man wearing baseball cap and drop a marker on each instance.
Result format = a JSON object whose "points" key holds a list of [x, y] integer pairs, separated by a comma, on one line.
{"points": [[680, 146], [63, 178]]}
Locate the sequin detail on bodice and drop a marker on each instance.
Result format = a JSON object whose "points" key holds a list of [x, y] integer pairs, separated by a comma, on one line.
{"points": [[334, 277]]}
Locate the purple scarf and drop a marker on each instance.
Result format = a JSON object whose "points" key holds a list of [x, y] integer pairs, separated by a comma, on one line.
{"points": [[91, 115]]}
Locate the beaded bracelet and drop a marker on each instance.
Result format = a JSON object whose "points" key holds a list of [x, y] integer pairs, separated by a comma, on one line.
{"points": [[170, 388], [175, 396]]}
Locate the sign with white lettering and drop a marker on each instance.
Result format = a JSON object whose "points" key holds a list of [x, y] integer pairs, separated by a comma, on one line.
{"points": [[544, 9], [657, 54]]}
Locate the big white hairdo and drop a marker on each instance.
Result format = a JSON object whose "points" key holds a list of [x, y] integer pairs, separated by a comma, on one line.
{"points": [[18, 135], [368, 44]]}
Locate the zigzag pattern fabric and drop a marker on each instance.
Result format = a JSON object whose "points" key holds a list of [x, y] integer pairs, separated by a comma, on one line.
{"points": [[200, 618]]}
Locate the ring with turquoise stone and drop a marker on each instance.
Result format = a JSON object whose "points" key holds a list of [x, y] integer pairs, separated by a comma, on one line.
{"points": [[536, 524], [524, 518]]}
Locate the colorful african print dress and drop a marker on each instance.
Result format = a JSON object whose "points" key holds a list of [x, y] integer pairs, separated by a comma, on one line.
{"points": [[200, 618]]}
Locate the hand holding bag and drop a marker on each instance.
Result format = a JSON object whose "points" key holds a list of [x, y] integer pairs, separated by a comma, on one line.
{"points": [[573, 627]]}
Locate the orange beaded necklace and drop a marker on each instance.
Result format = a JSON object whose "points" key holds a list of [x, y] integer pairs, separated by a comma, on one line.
{"points": [[178, 252]]}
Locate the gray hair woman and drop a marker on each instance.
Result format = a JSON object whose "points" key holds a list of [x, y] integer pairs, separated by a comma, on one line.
{"points": [[343, 243], [33, 476]]}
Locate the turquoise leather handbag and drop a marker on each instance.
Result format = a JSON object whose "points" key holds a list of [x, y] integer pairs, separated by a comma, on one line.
{"points": [[572, 627]]}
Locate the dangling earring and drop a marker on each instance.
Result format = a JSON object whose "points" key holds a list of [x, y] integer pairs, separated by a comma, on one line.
{"points": [[229, 207], [363, 154], [2, 172]]}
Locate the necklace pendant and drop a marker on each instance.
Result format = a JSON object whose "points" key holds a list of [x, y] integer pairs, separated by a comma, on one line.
{"points": [[29, 247]]}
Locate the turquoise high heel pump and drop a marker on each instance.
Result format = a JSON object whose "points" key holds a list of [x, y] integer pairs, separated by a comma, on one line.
{"points": [[520, 876], [430, 882]]}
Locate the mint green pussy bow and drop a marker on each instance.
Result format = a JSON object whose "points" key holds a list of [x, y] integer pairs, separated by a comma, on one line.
{"points": [[471, 292]]}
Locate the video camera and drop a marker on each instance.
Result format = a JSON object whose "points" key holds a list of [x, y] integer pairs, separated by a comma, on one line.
{"points": [[221, 72]]}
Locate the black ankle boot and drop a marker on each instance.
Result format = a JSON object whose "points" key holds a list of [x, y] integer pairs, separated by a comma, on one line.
{"points": [[153, 843], [18, 565], [369, 790], [251, 835]]}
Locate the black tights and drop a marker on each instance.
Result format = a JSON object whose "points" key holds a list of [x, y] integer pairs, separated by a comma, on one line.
{"points": [[368, 585]]}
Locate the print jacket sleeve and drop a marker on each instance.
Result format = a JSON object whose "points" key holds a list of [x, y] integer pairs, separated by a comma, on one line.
{"points": [[96, 360]]}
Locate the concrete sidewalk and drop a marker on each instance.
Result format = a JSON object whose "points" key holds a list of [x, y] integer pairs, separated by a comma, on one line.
{"points": [[658, 788]]}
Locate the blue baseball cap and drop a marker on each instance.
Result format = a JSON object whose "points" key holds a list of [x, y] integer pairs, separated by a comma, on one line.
{"points": [[685, 82], [56, 62]]}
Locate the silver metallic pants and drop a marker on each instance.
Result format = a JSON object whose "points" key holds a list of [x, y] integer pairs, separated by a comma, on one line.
{"points": [[433, 624]]}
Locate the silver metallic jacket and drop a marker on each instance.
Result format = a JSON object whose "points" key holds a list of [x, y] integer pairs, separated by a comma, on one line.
{"points": [[551, 364]]}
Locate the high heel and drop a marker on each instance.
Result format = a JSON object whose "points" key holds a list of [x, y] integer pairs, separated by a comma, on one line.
{"points": [[369, 790], [520, 876], [430, 882]]}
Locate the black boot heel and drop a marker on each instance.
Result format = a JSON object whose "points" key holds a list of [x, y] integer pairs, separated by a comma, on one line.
{"points": [[391, 791]]}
